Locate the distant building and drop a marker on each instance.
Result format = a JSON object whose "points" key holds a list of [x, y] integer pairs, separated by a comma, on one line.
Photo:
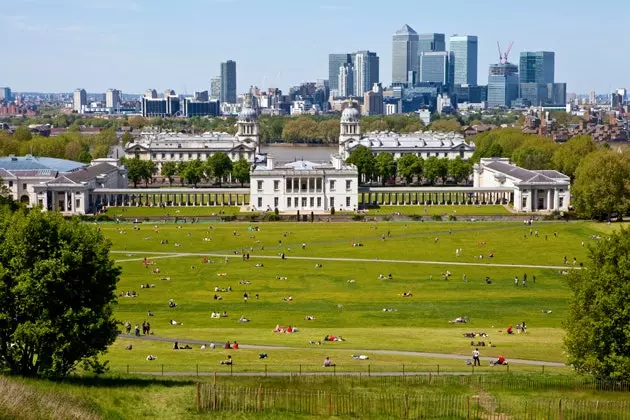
{"points": [[431, 42], [404, 55], [346, 80], [434, 67], [503, 85], [464, 50], [5, 95], [215, 88], [79, 100], [153, 107], [537, 67], [151, 94], [335, 61], [112, 99], [391, 109], [194, 107], [373, 101], [470, 94], [228, 82], [366, 71]]}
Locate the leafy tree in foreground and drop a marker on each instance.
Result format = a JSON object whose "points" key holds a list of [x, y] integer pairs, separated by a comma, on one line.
{"points": [[240, 171], [459, 169], [57, 289], [406, 166], [363, 159], [385, 166], [597, 334]]}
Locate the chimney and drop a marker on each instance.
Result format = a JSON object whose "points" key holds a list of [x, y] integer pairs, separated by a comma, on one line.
{"points": [[270, 163], [337, 162]]}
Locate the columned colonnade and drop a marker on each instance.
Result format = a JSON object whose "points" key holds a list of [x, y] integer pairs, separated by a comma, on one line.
{"points": [[170, 197], [428, 196]]}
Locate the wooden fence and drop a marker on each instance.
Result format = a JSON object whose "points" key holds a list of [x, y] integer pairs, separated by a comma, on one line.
{"points": [[405, 406]]}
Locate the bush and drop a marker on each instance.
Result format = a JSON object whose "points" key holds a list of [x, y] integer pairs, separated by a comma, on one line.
{"points": [[228, 218], [452, 218], [358, 217], [271, 217], [332, 211], [436, 217], [103, 218], [276, 212]]}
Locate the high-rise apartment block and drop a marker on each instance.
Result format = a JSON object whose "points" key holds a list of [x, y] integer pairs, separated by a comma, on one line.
{"points": [[464, 51], [215, 88], [345, 80], [79, 100], [373, 101], [404, 55], [228, 82], [335, 61], [112, 99]]}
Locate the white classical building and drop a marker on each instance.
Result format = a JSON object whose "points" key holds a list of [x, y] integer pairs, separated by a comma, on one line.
{"points": [[58, 184], [534, 191], [162, 147], [304, 186], [423, 144]]}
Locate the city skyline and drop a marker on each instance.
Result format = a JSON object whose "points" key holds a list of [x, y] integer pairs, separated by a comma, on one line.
{"points": [[104, 43]]}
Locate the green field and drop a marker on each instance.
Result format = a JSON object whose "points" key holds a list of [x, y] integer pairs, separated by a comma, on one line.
{"points": [[457, 211], [353, 310], [180, 211]]}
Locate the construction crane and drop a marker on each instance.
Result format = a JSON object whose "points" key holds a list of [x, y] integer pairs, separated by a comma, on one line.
{"points": [[503, 57]]}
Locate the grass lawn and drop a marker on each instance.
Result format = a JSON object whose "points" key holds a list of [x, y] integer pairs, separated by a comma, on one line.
{"points": [[172, 211], [353, 310], [457, 211]]}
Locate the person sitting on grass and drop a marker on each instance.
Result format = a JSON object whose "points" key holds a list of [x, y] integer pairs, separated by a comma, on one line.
{"points": [[227, 361], [328, 362], [175, 346], [173, 322], [500, 361], [243, 319], [235, 346], [151, 357], [171, 303], [509, 330], [227, 346]]}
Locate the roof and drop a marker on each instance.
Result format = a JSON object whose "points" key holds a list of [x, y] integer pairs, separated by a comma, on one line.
{"points": [[90, 172], [525, 175], [406, 30], [6, 175], [304, 166], [426, 140], [28, 162]]}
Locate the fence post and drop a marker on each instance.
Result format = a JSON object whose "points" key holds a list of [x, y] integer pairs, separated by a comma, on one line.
{"points": [[468, 406], [300, 369], [265, 369], [127, 369], [369, 373], [403, 369], [560, 409], [231, 370], [162, 369], [197, 369], [330, 404], [198, 396], [260, 398], [438, 370]]}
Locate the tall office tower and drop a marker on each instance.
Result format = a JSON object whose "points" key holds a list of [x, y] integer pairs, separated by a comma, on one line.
{"points": [[215, 88], [228, 82], [334, 62], [366, 71], [537, 67], [431, 42], [404, 55], [434, 67], [79, 100], [151, 94], [373, 101], [464, 50], [592, 99], [112, 99], [5, 94], [503, 85], [345, 80]]}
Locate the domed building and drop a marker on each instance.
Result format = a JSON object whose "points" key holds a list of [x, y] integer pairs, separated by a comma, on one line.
{"points": [[423, 144]]}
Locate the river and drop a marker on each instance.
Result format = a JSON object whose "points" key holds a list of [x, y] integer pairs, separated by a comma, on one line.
{"points": [[286, 153]]}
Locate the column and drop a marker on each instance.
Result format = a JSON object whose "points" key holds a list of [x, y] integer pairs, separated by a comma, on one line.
{"points": [[534, 199], [549, 199], [556, 199]]}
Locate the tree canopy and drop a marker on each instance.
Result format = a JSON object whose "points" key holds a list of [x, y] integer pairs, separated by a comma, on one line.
{"points": [[597, 334], [385, 166], [241, 170], [363, 159], [57, 289]]}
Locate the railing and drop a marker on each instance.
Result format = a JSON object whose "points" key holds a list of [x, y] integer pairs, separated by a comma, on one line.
{"points": [[396, 405]]}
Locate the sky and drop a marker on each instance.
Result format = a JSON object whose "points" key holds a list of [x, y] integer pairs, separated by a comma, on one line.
{"points": [[133, 45]]}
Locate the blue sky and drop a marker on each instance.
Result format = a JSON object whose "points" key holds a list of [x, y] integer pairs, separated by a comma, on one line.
{"points": [[58, 45]]}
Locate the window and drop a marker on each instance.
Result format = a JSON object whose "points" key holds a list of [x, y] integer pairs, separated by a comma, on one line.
{"points": [[289, 202], [276, 185], [311, 185], [524, 203], [77, 203], [40, 202], [303, 202], [172, 155], [260, 185], [312, 201], [332, 202], [348, 185], [303, 184], [153, 155], [319, 201], [23, 186], [259, 202], [10, 184], [289, 185], [461, 153], [445, 154], [561, 203], [347, 201], [296, 202], [319, 185], [189, 155], [332, 185], [163, 155], [276, 202]]}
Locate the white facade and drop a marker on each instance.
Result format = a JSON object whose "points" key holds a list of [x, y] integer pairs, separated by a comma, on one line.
{"points": [[79, 100], [304, 186], [534, 191], [176, 147]]}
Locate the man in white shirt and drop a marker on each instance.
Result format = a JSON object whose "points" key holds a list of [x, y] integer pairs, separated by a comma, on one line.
{"points": [[476, 361]]}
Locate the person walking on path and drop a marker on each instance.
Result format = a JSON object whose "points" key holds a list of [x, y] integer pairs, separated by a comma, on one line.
{"points": [[476, 361]]}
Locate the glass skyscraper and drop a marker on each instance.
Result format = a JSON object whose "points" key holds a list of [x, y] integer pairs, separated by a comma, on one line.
{"points": [[228, 82], [464, 50], [366, 71], [503, 85], [434, 67], [404, 54], [431, 42], [537, 67], [335, 61]]}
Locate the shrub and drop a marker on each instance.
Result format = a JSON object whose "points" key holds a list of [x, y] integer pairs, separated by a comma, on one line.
{"points": [[436, 217], [452, 218], [358, 217], [332, 211], [271, 217]]}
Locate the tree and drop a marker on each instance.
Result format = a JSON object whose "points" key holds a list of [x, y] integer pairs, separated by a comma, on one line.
{"points": [[432, 169], [406, 166], [535, 153], [447, 125], [459, 169], [149, 169], [57, 292], [4, 189], [219, 165], [385, 166], [601, 184], [363, 159], [126, 138], [569, 155], [597, 337], [135, 170], [240, 171], [169, 170], [85, 157], [22, 133], [193, 172]]}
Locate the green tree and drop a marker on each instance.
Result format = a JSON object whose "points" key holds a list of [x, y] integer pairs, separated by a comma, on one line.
{"points": [[418, 169], [363, 159], [4, 189], [459, 169], [126, 138], [385, 166], [193, 172], [435, 168], [135, 170], [602, 184], [149, 169], [219, 165], [22, 133], [57, 292], [597, 338], [446, 125], [85, 157], [169, 170], [240, 171], [406, 166], [535, 153], [569, 155]]}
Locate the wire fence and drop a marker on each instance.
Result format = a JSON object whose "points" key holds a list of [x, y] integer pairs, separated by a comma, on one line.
{"points": [[379, 405]]}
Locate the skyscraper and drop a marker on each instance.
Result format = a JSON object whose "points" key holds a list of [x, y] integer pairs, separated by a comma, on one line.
{"points": [[464, 50], [79, 100], [434, 67], [215, 88], [345, 80], [431, 42], [503, 85], [334, 62], [537, 67], [5, 94], [112, 99], [366, 71], [151, 94], [404, 54], [228, 82]]}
